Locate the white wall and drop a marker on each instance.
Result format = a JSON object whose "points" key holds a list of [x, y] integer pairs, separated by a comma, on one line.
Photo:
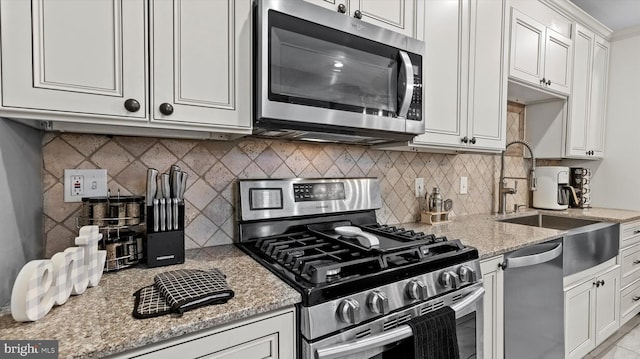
{"points": [[20, 201], [616, 179]]}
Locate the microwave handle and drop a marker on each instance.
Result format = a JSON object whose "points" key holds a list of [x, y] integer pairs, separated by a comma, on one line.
{"points": [[391, 336], [406, 74]]}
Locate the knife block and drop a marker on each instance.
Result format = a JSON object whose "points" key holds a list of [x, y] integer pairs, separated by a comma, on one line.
{"points": [[164, 248]]}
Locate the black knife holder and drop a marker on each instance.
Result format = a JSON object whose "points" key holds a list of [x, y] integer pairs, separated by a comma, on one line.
{"points": [[163, 248]]}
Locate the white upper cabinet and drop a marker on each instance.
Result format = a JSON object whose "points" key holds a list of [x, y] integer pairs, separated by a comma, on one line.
{"points": [[540, 56], [397, 15], [176, 66], [84, 57], [202, 62], [464, 80], [586, 125]]}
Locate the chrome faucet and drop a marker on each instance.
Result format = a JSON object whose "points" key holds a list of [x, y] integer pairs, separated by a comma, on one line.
{"points": [[503, 190]]}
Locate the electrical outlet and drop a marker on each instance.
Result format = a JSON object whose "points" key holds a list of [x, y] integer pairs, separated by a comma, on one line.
{"points": [[419, 187], [464, 185], [84, 183]]}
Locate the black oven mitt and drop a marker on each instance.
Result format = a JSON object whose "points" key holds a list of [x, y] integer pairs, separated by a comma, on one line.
{"points": [[181, 290]]}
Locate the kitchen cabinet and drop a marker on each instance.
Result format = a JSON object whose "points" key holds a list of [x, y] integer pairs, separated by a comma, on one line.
{"points": [[176, 66], [464, 80], [402, 16], [493, 310], [592, 312], [540, 56], [630, 276], [586, 125], [266, 336]]}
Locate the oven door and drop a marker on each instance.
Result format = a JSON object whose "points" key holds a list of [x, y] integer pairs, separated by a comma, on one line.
{"points": [[343, 73], [466, 302]]}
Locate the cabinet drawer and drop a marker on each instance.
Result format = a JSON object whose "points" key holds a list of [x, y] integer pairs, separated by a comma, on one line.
{"points": [[630, 260], [630, 233], [629, 302]]}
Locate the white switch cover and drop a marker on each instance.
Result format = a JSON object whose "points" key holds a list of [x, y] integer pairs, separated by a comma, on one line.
{"points": [[84, 183], [419, 187], [464, 185]]}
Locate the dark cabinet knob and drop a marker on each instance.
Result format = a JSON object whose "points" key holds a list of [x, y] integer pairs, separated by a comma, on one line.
{"points": [[543, 81], [166, 109], [548, 82], [465, 139], [357, 14], [473, 140], [342, 9], [132, 105], [502, 265]]}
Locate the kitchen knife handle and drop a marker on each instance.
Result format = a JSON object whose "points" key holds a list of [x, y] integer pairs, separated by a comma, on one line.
{"points": [[175, 213], [183, 185], [156, 214], [163, 215], [169, 214]]}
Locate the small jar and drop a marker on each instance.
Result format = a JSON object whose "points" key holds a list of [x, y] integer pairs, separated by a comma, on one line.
{"points": [[118, 211], [112, 247], [133, 209], [99, 210]]}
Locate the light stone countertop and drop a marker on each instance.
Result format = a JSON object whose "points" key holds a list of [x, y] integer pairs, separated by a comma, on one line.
{"points": [[99, 322]]}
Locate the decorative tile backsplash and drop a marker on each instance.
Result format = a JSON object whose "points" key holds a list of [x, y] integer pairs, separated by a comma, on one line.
{"points": [[215, 166]]}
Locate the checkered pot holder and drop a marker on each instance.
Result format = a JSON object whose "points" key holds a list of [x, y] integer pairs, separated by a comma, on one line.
{"points": [[181, 290]]}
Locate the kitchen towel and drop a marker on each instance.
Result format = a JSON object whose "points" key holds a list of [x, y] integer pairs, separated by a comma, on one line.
{"points": [[181, 290], [434, 336]]}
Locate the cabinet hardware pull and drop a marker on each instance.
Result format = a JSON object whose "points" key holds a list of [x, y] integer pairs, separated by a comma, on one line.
{"points": [[543, 81], [473, 140], [637, 261], [502, 265], [636, 298], [636, 231], [342, 9], [597, 284], [602, 283], [166, 109], [132, 105], [465, 139], [548, 82], [357, 14]]}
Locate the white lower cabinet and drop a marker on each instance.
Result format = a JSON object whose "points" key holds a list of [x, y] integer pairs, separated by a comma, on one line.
{"points": [[592, 311], [630, 276], [493, 278], [270, 335]]}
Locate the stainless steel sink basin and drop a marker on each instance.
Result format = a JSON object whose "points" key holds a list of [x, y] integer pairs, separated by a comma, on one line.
{"points": [[552, 222], [586, 243]]}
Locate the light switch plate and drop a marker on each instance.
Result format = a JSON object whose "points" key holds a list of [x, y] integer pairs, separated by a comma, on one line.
{"points": [[80, 183], [464, 185], [419, 187]]}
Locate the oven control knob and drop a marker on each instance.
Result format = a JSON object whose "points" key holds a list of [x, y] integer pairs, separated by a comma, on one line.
{"points": [[378, 302], [467, 274], [449, 279], [417, 290], [349, 311]]}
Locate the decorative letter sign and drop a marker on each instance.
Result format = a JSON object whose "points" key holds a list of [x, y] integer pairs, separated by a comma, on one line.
{"points": [[43, 283]]}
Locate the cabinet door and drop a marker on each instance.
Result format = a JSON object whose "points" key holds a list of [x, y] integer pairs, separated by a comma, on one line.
{"points": [[493, 279], [557, 62], [580, 92], [607, 305], [396, 15], [599, 76], [331, 4], [527, 48], [445, 77], [84, 57], [202, 62], [579, 306], [487, 77]]}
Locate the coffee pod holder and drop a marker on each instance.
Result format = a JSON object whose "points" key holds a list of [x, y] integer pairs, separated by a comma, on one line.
{"points": [[163, 248]]}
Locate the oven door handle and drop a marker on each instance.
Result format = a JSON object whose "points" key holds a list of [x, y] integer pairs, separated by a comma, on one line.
{"points": [[406, 74], [390, 336]]}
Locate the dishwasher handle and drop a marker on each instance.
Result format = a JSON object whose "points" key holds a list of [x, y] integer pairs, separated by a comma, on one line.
{"points": [[527, 260]]}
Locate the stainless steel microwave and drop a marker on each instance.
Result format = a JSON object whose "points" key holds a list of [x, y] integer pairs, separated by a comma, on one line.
{"points": [[321, 75]]}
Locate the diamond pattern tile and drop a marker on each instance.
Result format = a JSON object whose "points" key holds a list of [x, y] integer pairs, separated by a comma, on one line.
{"points": [[215, 166]]}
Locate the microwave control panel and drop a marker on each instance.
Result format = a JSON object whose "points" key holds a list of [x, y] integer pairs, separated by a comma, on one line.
{"points": [[415, 109]]}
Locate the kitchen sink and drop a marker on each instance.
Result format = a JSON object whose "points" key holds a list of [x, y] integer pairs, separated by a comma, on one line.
{"points": [[586, 244], [548, 221]]}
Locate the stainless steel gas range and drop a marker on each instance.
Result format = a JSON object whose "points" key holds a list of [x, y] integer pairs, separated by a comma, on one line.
{"points": [[360, 280]]}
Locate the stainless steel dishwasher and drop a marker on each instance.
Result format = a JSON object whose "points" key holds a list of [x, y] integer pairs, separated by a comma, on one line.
{"points": [[534, 309]]}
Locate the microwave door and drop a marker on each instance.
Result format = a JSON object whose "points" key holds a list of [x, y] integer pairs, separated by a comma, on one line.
{"points": [[405, 84]]}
